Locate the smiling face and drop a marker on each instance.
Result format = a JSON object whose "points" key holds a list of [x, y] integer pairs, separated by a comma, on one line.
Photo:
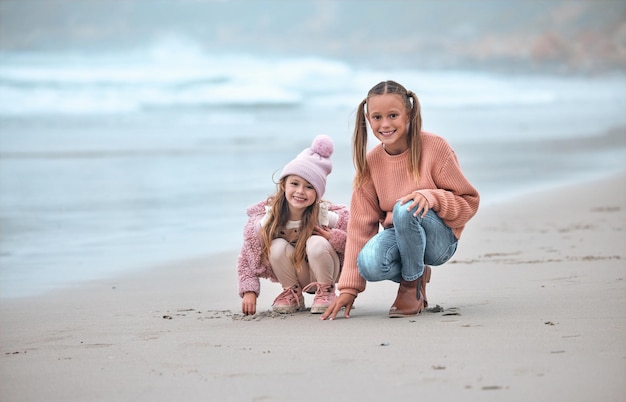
{"points": [[300, 195], [389, 120]]}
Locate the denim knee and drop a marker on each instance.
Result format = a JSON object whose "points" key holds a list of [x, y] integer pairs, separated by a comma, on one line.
{"points": [[365, 269], [375, 261], [401, 216]]}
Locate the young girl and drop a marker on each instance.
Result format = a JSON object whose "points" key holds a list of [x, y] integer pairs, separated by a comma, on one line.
{"points": [[412, 185], [294, 237]]}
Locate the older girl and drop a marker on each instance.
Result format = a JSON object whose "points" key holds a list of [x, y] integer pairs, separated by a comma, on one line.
{"points": [[412, 185]]}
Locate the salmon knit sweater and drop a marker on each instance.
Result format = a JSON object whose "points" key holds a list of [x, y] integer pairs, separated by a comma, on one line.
{"points": [[448, 192]]}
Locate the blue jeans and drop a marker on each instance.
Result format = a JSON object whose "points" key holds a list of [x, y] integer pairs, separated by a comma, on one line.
{"points": [[402, 251]]}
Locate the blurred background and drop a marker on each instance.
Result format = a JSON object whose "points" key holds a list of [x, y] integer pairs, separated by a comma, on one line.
{"points": [[135, 133]]}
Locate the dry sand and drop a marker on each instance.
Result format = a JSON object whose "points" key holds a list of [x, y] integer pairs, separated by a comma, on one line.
{"points": [[533, 308]]}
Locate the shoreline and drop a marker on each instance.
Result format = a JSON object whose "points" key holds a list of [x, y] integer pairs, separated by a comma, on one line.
{"points": [[532, 307], [50, 290]]}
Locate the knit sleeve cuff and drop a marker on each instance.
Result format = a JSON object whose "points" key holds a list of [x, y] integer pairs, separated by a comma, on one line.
{"points": [[353, 292]]}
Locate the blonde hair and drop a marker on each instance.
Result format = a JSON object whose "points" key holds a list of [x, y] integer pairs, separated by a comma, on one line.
{"points": [[279, 215], [359, 138]]}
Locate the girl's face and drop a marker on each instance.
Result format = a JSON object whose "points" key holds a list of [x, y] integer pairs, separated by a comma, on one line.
{"points": [[389, 120], [299, 193]]}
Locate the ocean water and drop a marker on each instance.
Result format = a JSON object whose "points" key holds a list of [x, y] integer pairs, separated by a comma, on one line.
{"points": [[112, 162]]}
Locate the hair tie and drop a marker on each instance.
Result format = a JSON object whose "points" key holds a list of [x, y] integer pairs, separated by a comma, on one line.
{"points": [[409, 94]]}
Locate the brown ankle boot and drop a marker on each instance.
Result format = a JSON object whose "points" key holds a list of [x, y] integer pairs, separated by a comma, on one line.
{"points": [[407, 302]]}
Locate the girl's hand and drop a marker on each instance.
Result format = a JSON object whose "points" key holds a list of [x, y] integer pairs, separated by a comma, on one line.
{"points": [[344, 300], [248, 305], [323, 231], [417, 200]]}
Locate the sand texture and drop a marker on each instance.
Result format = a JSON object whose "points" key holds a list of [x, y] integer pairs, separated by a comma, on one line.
{"points": [[532, 307]]}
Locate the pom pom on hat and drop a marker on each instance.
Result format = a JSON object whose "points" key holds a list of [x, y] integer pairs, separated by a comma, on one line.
{"points": [[313, 164], [323, 145]]}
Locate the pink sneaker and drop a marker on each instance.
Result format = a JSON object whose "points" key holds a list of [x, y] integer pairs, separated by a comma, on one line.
{"points": [[289, 301], [324, 296]]}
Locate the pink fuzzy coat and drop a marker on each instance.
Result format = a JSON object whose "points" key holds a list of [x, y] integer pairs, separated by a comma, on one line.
{"points": [[249, 265]]}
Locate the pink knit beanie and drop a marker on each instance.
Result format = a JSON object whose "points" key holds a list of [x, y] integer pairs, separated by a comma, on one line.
{"points": [[313, 164]]}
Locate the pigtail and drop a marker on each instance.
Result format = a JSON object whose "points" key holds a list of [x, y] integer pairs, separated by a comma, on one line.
{"points": [[359, 146], [415, 138]]}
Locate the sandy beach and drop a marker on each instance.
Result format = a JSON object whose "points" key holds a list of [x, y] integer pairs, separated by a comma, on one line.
{"points": [[532, 307], [134, 134]]}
